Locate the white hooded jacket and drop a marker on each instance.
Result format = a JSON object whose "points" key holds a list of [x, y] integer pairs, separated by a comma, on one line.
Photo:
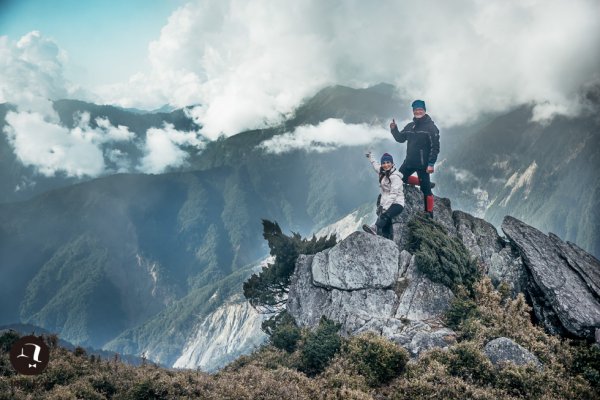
{"points": [[392, 191]]}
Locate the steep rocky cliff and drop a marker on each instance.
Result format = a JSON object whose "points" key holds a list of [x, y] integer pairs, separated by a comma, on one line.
{"points": [[368, 283]]}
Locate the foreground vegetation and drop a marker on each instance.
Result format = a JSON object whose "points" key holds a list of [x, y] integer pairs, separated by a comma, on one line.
{"points": [[322, 365]]}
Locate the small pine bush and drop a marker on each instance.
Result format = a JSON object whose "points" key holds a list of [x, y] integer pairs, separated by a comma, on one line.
{"points": [[7, 340], [147, 390], [283, 331], [267, 291], [319, 347], [444, 259], [80, 351], [586, 361], [376, 358], [462, 308]]}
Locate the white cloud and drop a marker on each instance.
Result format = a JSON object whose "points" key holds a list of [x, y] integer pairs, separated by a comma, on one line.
{"points": [[52, 148], [119, 158], [463, 175], [32, 74], [249, 64], [327, 136], [163, 148]]}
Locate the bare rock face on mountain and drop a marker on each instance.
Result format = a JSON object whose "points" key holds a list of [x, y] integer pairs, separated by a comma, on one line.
{"points": [[365, 284], [564, 280]]}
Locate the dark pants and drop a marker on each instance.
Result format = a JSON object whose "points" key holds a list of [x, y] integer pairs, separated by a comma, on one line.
{"points": [[424, 180], [384, 221]]}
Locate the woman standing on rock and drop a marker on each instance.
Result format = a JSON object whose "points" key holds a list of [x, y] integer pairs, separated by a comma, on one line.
{"points": [[391, 201]]}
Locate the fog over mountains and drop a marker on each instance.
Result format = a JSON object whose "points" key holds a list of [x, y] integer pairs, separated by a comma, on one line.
{"points": [[116, 258]]}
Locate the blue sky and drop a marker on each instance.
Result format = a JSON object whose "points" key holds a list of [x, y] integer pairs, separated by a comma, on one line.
{"points": [[106, 41]]}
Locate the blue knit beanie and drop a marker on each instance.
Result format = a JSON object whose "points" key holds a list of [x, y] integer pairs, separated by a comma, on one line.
{"points": [[387, 157], [419, 104]]}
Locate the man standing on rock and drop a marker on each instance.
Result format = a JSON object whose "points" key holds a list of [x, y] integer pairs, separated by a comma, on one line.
{"points": [[422, 148]]}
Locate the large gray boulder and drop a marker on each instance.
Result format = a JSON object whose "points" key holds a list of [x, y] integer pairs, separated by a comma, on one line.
{"points": [[503, 350], [498, 259], [365, 284], [422, 299], [364, 261], [564, 280], [422, 341]]}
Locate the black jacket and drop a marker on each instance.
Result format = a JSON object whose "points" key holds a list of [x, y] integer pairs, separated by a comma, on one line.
{"points": [[423, 142]]}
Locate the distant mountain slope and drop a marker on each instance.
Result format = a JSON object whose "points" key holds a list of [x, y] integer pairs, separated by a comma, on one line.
{"points": [[544, 174]]}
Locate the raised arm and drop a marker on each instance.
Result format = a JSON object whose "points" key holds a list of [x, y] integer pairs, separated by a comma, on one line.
{"points": [[399, 136], [376, 166]]}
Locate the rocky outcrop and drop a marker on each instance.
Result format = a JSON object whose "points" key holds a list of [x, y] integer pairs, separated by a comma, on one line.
{"points": [[357, 264], [365, 284], [503, 350], [423, 340], [564, 280], [413, 199], [496, 257]]}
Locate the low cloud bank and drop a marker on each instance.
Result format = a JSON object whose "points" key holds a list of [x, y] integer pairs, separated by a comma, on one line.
{"points": [[326, 136]]}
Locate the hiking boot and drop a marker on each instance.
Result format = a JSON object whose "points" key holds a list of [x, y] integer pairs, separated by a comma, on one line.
{"points": [[370, 229], [429, 214]]}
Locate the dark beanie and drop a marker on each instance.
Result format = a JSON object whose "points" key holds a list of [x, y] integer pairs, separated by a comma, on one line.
{"points": [[419, 104], [387, 157]]}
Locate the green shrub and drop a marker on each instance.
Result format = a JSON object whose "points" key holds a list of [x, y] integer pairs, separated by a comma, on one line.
{"points": [[7, 339], [103, 385], [462, 308], [80, 351], [60, 372], [147, 390], [468, 362], [376, 358], [283, 331], [319, 347], [444, 259], [586, 361], [267, 291]]}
